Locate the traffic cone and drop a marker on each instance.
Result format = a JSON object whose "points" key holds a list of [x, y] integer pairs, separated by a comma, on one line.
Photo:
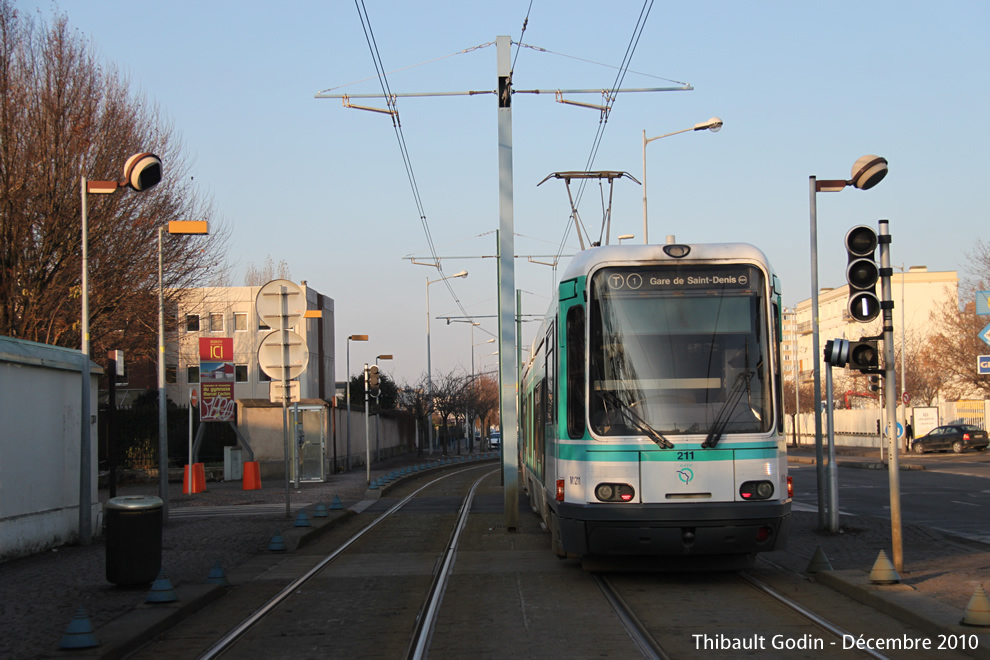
{"points": [[978, 611], [301, 519], [320, 511], [883, 571], [161, 590], [79, 634], [277, 543], [217, 576], [336, 504], [819, 562], [199, 477], [252, 476]]}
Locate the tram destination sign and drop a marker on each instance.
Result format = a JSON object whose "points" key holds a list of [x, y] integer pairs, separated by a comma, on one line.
{"points": [[680, 279]]}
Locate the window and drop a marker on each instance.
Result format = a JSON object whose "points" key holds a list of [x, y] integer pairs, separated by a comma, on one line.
{"points": [[240, 321], [192, 374], [170, 372], [192, 322], [575, 372], [240, 373], [216, 322]]}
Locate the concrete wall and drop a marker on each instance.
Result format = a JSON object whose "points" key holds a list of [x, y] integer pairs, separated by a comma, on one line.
{"points": [[40, 421], [260, 422]]}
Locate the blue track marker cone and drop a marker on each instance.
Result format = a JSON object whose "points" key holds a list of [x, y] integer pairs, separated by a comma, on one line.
{"points": [[374, 485], [161, 590], [79, 634], [336, 504], [320, 511], [277, 543], [302, 520], [217, 576]]}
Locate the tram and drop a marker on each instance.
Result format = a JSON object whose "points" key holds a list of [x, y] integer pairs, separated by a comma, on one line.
{"points": [[651, 417]]}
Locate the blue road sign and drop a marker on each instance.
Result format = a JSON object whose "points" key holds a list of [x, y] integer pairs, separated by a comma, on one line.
{"points": [[900, 430], [985, 334], [983, 365]]}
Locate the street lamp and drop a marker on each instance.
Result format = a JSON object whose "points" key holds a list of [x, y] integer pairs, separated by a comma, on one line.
{"points": [[141, 172], [867, 172], [714, 125], [347, 392], [378, 417], [181, 227], [429, 374], [626, 237]]}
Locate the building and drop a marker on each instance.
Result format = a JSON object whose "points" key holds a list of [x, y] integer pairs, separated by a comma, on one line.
{"points": [[916, 292], [230, 312]]}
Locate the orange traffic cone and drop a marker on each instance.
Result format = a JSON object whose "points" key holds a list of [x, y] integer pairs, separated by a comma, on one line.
{"points": [[252, 476]]}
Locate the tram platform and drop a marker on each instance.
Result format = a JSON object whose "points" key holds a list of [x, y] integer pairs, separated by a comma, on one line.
{"points": [[40, 594]]}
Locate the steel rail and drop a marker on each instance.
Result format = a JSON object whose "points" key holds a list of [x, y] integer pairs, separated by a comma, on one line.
{"points": [[808, 614], [228, 640], [637, 631], [426, 619]]}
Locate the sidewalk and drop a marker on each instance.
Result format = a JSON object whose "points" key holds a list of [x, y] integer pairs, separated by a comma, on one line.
{"points": [[40, 594]]}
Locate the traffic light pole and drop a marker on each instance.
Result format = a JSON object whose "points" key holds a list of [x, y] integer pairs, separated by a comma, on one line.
{"points": [[367, 441], [890, 394], [832, 469]]}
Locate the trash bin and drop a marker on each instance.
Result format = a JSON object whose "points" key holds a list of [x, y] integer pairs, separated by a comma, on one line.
{"points": [[134, 539]]}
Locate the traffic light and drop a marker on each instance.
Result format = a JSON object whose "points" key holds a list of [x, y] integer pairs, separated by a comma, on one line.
{"points": [[837, 352], [874, 385], [864, 355], [373, 386], [862, 273]]}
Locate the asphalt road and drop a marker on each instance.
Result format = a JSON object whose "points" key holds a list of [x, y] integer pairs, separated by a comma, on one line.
{"points": [[952, 493]]}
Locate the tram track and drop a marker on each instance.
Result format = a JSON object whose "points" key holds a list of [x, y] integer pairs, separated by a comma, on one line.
{"points": [[717, 613], [422, 627]]}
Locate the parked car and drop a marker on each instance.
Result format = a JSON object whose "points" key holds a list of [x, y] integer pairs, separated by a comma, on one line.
{"points": [[496, 439], [956, 437]]}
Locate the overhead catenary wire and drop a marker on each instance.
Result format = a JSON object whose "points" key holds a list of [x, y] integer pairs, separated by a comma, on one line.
{"points": [[609, 102], [400, 137]]}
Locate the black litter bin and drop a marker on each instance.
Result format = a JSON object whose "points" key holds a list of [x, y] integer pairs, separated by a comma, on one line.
{"points": [[134, 539]]}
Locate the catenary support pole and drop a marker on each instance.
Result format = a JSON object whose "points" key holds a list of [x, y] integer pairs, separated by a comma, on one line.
{"points": [[508, 371]]}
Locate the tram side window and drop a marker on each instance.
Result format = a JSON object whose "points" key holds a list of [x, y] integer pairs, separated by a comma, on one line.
{"points": [[575, 372]]}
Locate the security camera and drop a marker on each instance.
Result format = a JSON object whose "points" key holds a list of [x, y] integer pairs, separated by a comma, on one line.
{"points": [[868, 171], [143, 171]]}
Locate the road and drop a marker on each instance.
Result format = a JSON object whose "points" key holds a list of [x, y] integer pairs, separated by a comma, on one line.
{"points": [[952, 493]]}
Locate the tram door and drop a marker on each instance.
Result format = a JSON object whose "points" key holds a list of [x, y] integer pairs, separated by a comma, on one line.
{"points": [[311, 442]]}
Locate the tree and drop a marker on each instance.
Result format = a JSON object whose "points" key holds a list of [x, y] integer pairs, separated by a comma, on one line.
{"points": [[389, 393], [255, 276], [448, 399], [415, 399], [63, 115]]}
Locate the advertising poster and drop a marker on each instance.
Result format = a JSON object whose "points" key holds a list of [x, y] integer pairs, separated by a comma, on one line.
{"points": [[216, 379]]}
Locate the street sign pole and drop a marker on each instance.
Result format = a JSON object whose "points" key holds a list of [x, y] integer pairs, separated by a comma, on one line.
{"points": [[284, 330], [367, 443], [890, 395]]}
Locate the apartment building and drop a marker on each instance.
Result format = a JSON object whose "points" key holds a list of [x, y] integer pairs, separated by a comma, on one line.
{"points": [[230, 312], [916, 292]]}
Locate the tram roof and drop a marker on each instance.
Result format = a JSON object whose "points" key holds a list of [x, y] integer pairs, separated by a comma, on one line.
{"points": [[586, 260]]}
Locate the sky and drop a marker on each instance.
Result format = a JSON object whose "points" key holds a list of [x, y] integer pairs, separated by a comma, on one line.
{"points": [[803, 89]]}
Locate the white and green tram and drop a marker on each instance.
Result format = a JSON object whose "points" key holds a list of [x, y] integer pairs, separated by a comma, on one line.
{"points": [[651, 411]]}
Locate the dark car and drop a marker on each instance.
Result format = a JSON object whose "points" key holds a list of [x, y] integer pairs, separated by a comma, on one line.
{"points": [[956, 437]]}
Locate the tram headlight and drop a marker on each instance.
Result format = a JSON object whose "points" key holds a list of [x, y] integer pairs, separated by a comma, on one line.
{"points": [[756, 490], [615, 492]]}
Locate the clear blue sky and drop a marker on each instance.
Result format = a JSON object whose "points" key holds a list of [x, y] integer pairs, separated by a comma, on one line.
{"points": [[803, 88]]}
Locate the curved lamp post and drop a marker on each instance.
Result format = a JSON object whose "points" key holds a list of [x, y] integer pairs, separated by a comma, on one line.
{"points": [[347, 392], [714, 125], [867, 172], [142, 171], [429, 369]]}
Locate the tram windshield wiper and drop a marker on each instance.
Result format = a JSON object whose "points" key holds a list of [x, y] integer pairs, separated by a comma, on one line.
{"points": [[731, 401], [637, 422]]}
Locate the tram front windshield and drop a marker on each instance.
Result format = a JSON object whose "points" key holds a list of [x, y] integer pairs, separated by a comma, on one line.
{"points": [[681, 348]]}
